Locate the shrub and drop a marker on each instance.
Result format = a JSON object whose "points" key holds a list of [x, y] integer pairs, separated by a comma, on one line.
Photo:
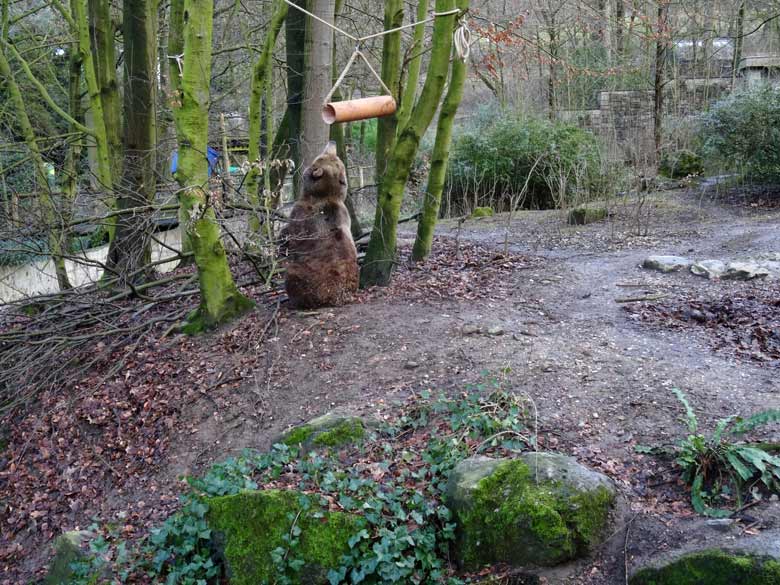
{"points": [[493, 160], [681, 164], [742, 133]]}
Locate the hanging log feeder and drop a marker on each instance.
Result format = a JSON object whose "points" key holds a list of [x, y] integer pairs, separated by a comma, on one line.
{"points": [[360, 109]]}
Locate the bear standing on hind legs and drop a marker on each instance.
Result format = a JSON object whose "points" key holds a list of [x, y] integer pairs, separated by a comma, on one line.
{"points": [[322, 264]]}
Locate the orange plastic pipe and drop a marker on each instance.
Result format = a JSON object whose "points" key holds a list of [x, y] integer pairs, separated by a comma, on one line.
{"points": [[351, 110]]}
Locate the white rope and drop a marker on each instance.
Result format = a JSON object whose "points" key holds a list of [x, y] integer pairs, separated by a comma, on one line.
{"points": [[379, 34], [392, 30], [462, 40]]}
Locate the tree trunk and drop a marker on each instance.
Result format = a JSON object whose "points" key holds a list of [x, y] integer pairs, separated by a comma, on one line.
{"points": [[175, 68], [259, 82], [295, 40], [101, 32], [380, 257], [130, 250], [337, 134], [661, 46], [440, 157], [317, 73], [391, 74], [99, 131], [620, 15], [50, 212], [220, 299], [738, 43], [413, 76]]}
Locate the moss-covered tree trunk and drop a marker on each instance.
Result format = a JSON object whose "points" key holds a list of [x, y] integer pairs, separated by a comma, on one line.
{"points": [[260, 82], [130, 249], [409, 92], [440, 157], [99, 132], [295, 40], [220, 299], [102, 31], [25, 128], [175, 63], [391, 74], [380, 257]]}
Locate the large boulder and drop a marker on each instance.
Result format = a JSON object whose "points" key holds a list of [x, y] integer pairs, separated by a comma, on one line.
{"points": [[248, 527], [750, 562], [745, 270], [333, 429], [666, 263], [541, 509], [711, 269]]}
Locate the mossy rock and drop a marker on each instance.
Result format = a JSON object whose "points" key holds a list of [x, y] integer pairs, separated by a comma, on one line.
{"points": [[247, 527], [586, 215], [681, 164], [67, 549], [482, 212], [539, 510], [329, 430], [712, 567]]}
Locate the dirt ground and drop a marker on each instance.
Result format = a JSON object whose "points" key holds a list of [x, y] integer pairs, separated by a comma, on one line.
{"points": [[600, 377]]}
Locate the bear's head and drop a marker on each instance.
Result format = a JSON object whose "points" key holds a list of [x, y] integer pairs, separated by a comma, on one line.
{"points": [[326, 177]]}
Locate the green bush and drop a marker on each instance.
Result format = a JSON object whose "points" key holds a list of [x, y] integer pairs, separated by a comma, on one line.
{"points": [[742, 133], [492, 160], [681, 164]]}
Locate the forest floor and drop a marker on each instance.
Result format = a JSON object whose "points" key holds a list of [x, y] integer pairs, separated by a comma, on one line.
{"points": [[599, 371]]}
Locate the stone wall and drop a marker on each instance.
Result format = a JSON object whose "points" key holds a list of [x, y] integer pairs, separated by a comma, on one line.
{"points": [[624, 120]]}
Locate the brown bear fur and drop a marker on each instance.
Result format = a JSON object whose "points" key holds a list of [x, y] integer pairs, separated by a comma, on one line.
{"points": [[322, 264]]}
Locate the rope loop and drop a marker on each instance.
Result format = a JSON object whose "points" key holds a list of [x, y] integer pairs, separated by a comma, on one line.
{"points": [[462, 40]]}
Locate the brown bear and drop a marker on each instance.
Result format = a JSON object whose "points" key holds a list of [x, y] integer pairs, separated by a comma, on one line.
{"points": [[322, 264]]}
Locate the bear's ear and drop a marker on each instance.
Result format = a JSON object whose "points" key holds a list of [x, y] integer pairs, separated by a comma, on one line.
{"points": [[330, 149], [317, 172]]}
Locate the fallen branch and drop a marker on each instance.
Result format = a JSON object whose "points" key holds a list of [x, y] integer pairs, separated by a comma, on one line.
{"points": [[641, 299]]}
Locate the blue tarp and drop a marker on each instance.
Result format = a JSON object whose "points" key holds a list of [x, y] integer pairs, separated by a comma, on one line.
{"points": [[211, 153]]}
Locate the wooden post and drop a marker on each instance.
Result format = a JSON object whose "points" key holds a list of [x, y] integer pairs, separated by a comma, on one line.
{"points": [[227, 180]]}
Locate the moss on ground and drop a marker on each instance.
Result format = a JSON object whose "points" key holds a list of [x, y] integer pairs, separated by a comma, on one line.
{"points": [[586, 215], [344, 431], [713, 567], [516, 520], [482, 212], [347, 431], [298, 435], [250, 525]]}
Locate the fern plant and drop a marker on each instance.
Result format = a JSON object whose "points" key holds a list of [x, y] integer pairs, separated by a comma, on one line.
{"points": [[721, 465]]}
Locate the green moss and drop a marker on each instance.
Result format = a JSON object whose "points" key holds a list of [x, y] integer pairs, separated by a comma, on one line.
{"points": [[348, 431], [713, 567], [298, 435], [516, 520], [482, 212], [326, 431], [66, 551], [248, 526], [586, 215], [590, 514]]}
